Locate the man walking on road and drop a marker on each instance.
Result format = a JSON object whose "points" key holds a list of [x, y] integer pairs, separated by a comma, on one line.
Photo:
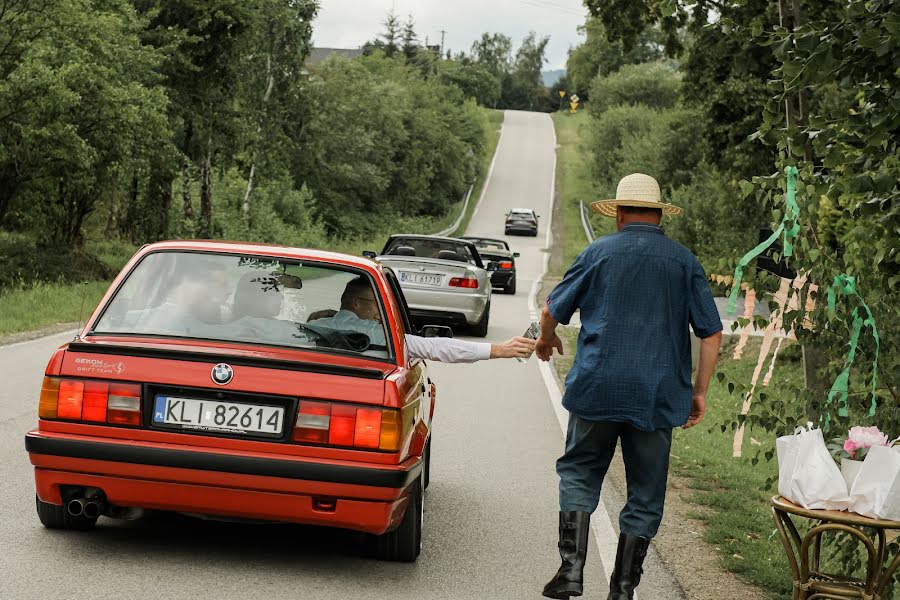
{"points": [[638, 291]]}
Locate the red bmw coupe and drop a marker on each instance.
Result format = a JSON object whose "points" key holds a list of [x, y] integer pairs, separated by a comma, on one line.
{"points": [[201, 385]]}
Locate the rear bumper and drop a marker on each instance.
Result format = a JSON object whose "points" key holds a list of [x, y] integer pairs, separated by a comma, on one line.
{"points": [[521, 229], [433, 304], [362, 498], [502, 278]]}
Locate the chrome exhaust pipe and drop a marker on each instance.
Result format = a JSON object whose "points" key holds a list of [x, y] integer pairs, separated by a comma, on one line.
{"points": [[92, 509], [76, 507]]}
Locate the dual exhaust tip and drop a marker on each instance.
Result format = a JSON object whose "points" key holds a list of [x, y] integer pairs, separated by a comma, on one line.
{"points": [[88, 508]]}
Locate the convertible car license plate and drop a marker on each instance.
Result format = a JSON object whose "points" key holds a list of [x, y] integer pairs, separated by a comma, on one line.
{"points": [[220, 417], [422, 278]]}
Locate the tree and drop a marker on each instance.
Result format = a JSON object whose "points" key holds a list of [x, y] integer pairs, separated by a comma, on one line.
{"points": [[523, 87], [473, 79], [409, 38], [389, 40], [80, 110], [597, 55], [494, 53]]}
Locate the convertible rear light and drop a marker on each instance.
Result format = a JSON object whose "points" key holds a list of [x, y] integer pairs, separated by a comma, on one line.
{"points": [[348, 426], [505, 264], [90, 401], [464, 282]]}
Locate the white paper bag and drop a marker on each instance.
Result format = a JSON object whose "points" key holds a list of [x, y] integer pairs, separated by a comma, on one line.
{"points": [[876, 490], [807, 474]]}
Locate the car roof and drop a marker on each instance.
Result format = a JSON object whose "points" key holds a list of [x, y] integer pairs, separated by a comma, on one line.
{"points": [[273, 250], [521, 210]]}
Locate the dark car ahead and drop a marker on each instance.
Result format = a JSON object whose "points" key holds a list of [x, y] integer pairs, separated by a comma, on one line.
{"points": [[522, 221], [498, 252]]}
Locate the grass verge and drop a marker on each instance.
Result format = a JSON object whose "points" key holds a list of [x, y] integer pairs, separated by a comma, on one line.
{"points": [[45, 304], [574, 183]]}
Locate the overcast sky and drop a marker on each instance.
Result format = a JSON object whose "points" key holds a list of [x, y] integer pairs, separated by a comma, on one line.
{"points": [[351, 23]]}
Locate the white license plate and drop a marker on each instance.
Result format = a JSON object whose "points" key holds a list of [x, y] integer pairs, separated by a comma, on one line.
{"points": [[216, 416], [422, 278]]}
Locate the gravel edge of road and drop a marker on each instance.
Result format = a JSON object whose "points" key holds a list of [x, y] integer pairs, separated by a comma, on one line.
{"points": [[26, 336]]}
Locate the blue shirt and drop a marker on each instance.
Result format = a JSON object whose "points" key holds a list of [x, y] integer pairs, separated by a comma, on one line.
{"points": [[638, 292]]}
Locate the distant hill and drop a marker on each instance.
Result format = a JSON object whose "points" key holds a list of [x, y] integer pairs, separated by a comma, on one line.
{"points": [[551, 77]]}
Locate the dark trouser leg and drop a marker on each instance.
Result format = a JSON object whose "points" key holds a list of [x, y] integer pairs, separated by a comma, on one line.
{"points": [[589, 449], [590, 446], [646, 456]]}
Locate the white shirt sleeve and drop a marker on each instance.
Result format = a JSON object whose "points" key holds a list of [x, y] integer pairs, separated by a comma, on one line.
{"points": [[448, 350]]}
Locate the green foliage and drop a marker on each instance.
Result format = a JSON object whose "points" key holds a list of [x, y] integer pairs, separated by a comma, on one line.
{"points": [[600, 56], [652, 84], [639, 139], [383, 142], [521, 84], [714, 224], [473, 79]]}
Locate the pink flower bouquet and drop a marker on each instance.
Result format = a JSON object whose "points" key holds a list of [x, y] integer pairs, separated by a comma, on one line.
{"points": [[860, 439]]}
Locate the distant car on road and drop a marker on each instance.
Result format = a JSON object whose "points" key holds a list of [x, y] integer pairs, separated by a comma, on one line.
{"points": [[201, 386], [522, 220], [497, 251], [444, 280]]}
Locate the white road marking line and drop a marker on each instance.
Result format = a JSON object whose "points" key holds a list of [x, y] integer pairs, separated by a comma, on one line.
{"points": [[487, 179], [601, 523]]}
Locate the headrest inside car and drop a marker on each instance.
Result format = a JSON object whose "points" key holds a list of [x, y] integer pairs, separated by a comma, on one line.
{"points": [[403, 251], [450, 255]]}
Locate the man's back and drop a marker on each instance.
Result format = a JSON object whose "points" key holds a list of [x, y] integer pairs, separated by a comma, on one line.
{"points": [[637, 291]]}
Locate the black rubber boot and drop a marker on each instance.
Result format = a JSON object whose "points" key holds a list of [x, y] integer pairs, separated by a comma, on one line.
{"points": [[629, 566], [573, 541]]}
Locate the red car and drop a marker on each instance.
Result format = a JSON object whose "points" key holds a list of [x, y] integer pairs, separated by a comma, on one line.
{"points": [[201, 385]]}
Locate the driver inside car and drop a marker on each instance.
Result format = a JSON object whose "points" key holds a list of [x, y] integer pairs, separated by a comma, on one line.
{"points": [[360, 313]]}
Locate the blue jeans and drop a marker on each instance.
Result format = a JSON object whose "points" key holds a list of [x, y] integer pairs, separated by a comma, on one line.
{"points": [[590, 446]]}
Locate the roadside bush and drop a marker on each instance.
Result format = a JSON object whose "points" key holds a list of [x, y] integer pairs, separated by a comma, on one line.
{"points": [[718, 222], [638, 139], [651, 84]]}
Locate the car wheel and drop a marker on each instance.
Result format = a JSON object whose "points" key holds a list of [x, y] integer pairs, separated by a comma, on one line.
{"points": [[404, 543], [481, 328], [54, 516], [426, 468], [511, 287]]}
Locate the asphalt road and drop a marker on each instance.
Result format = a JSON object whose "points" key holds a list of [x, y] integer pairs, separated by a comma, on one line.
{"points": [[491, 510]]}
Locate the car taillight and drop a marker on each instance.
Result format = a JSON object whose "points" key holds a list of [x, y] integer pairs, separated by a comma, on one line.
{"points": [[464, 282], [506, 264], [349, 426], [91, 401]]}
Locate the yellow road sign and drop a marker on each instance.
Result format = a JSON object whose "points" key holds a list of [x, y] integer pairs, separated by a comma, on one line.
{"points": [[574, 105], [562, 93]]}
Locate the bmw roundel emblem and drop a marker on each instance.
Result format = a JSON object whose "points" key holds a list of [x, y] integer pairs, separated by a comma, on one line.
{"points": [[222, 373]]}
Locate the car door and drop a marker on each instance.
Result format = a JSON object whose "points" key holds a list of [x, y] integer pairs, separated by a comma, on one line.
{"points": [[419, 383]]}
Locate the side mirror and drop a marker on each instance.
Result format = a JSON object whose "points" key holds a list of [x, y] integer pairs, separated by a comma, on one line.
{"points": [[431, 331], [492, 266], [516, 255], [369, 254]]}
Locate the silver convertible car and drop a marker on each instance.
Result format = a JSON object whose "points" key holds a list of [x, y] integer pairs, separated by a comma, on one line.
{"points": [[444, 280]]}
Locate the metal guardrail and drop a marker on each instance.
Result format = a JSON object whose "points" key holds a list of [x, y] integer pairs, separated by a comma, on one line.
{"points": [[461, 216], [586, 223]]}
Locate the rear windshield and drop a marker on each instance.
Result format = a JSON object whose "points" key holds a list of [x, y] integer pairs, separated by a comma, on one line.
{"points": [[427, 248], [249, 299]]}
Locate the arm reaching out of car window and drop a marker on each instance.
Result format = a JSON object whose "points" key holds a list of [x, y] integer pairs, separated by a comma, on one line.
{"points": [[452, 350]]}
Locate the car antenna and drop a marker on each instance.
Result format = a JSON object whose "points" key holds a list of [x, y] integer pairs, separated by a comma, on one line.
{"points": [[81, 311]]}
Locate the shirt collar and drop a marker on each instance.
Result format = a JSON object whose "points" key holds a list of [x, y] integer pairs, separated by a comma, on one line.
{"points": [[648, 227]]}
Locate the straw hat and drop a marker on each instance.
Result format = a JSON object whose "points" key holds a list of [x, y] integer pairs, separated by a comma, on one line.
{"points": [[636, 189]]}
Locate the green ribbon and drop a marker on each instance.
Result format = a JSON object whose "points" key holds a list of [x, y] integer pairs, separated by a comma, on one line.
{"points": [[845, 285], [789, 228]]}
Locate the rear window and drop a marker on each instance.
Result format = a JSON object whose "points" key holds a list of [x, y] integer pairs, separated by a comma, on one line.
{"points": [[249, 299]]}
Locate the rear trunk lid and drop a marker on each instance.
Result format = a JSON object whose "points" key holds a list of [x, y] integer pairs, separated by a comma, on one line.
{"points": [[426, 273]]}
